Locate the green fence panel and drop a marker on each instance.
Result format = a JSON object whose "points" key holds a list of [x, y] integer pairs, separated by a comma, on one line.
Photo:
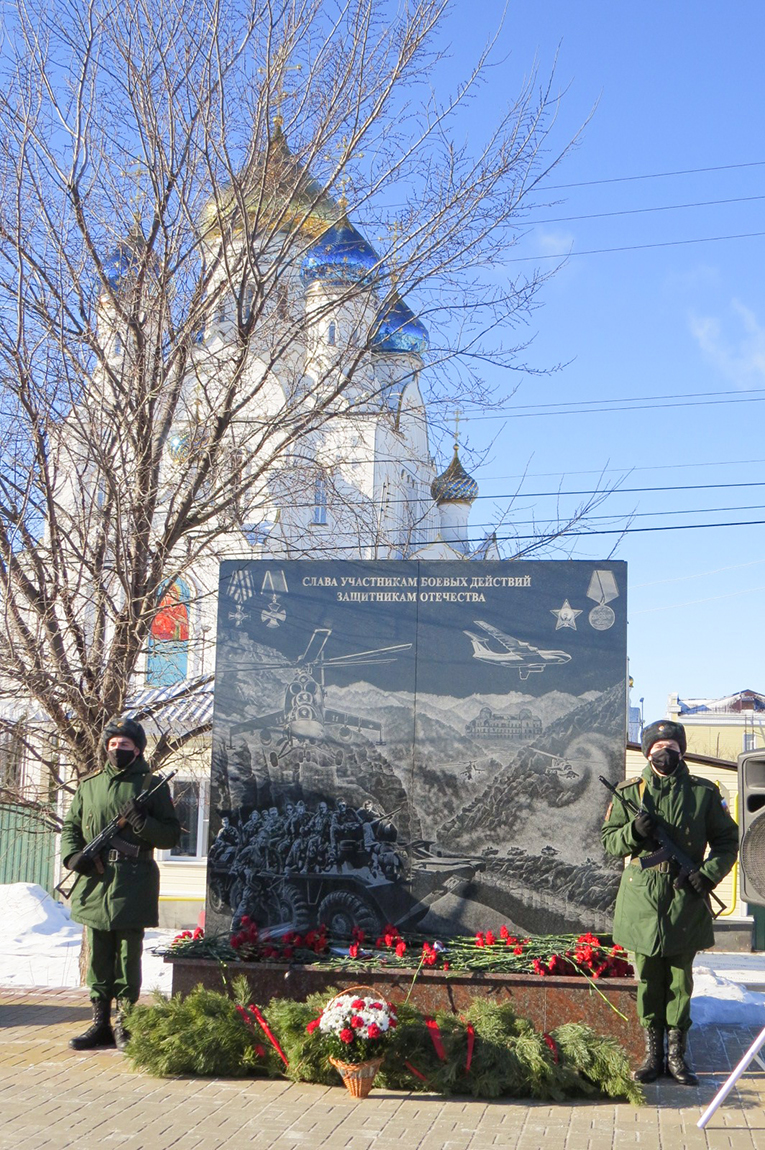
{"points": [[27, 847]]}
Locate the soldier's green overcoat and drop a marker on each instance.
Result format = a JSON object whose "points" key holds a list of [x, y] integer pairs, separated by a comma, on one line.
{"points": [[126, 895], [652, 917]]}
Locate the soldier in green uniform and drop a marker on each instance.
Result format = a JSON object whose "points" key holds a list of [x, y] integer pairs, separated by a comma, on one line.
{"points": [[117, 896], [664, 927]]}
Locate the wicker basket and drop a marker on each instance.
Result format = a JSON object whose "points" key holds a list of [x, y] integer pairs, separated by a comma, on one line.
{"points": [[358, 1076]]}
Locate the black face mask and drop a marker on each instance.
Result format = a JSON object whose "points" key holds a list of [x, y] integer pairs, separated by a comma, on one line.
{"points": [[121, 757], [666, 761]]}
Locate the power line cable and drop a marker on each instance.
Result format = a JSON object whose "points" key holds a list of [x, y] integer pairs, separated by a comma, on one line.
{"points": [[565, 535], [625, 399], [635, 247], [642, 211], [656, 175]]}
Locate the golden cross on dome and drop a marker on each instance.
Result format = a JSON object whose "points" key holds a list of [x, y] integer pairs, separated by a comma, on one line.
{"points": [[342, 149], [457, 414], [394, 234], [280, 68]]}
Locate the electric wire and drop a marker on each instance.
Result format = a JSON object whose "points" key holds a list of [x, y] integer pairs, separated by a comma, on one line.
{"points": [[656, 175], [642, 211], [634, 247]]}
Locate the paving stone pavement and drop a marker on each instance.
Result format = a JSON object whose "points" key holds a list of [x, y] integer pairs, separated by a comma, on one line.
{"points": [[53, 1098]]}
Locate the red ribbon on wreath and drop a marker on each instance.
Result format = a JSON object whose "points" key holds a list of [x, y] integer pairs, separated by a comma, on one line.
{"points": [[435, 1035], [553, 1046], [415, 1071], [470, 1046], [265, 1028]]}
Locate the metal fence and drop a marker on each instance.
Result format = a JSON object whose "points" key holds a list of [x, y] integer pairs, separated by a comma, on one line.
{"points": [[27, 847]]}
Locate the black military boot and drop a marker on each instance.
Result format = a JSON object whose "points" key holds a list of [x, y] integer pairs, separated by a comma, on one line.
{"points": [[100, 1032], [121, 1032], [676, 1064], [653, 1063]]}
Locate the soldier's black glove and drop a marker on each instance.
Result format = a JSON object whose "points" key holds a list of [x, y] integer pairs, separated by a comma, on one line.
{"points": [[700, 883], [80, 864], [644, 825], [134, 816]]}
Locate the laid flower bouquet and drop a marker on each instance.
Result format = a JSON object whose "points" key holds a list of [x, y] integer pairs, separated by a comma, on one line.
{"points": [[355, 1028]]}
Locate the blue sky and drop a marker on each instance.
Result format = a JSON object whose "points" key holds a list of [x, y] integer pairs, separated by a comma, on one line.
{"points": [[674, 87]]}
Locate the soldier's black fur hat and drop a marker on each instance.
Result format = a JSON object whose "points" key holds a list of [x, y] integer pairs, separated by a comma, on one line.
{"points": [[663, 729], [127, 727]]}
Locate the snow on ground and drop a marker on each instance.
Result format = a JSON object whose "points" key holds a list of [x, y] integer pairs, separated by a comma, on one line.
{"points": [[41, 947]]}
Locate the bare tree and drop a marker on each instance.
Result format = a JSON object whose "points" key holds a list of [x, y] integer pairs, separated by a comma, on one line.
{"points": [[165, 169]]}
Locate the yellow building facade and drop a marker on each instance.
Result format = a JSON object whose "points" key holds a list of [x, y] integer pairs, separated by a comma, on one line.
{"points": [[721, 728]]}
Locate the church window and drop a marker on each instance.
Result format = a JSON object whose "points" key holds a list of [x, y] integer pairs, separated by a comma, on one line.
{"points": [[118, 345], [168, 656], [320, 500], [332, 334]]}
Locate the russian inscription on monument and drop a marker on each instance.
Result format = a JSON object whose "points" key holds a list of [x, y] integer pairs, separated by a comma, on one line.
{"points": [[416, 743]]}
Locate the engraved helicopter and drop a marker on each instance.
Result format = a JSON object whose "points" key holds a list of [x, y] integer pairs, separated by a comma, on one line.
{"points": [[524, 657], [305, 718]]}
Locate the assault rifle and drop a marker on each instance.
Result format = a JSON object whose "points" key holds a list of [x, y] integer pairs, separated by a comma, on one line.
{"points": [[668, 850], [110, 834]]}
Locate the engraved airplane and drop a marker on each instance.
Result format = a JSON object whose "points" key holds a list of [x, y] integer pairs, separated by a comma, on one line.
{"points": [[524, 657], [305, 716]]}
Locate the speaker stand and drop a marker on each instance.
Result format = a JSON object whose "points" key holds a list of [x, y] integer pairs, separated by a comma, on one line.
{"points": [[752, 1055]]}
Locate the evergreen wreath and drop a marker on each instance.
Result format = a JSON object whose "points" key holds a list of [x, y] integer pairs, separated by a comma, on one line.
{"points": [[489, 1052]]}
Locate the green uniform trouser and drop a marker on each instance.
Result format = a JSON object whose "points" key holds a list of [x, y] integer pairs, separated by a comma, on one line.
{"points": [[665, 988], [115, 963]]}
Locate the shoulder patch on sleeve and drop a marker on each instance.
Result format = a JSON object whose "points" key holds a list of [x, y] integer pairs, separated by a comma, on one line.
{"points": [[706, 783], [91, 774]]}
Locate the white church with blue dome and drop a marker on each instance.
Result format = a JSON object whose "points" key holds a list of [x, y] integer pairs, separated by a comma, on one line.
{"points": [[361, 484]]}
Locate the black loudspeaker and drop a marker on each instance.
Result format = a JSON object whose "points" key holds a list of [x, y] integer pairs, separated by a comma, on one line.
{"points": [[751, 820]]}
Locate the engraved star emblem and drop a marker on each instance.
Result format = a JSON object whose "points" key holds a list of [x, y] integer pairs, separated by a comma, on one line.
{"points": [[565, 615]]}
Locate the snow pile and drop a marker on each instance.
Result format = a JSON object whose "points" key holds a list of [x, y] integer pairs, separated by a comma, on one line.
{"points": [[26, 909], [719, 999], [41, 945]]}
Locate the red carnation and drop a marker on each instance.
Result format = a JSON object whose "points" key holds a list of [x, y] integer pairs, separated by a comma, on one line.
{"points": [[357, 1022], [400, 948], [346, 1036], [504, 932], [353, 950], [373, 1031], [357, 1004], [490, 938], [376, 1006], [313, 1025], [479, 939], [517, 950]]}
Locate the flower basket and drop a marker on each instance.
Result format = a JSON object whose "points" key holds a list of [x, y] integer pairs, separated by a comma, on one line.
{"points": [[354, 1028], [358, 1076]]}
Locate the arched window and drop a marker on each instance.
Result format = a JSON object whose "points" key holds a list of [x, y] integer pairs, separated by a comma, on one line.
{"points": [[332, 334], [168, 658]]}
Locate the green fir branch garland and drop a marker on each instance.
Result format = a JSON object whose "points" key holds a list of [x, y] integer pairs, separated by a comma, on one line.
{"points": [[208, 1033]]}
